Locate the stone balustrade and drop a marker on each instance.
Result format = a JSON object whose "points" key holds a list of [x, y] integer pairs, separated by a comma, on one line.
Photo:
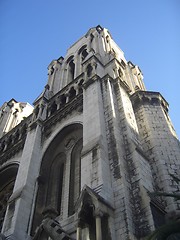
{"points": [[63, 97]]}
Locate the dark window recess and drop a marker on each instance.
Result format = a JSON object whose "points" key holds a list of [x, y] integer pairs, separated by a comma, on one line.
{"points": [[89, 70], [72, 69], [72, 93], [53, 107], [59, 189], [105, 228], [82, 49], [36, 111], [158, 215], [75, 176], [84, 54], [63, 99], [70, 59]]}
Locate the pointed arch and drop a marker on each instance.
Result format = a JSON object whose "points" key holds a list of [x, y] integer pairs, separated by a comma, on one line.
{"points": [[70, 68], [60, 161]]}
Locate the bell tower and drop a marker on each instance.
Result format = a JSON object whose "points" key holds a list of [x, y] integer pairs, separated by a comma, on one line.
{"points": [[95, 146]]}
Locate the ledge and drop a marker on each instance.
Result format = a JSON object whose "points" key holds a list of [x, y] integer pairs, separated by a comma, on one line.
{"points": [[140, 98]]}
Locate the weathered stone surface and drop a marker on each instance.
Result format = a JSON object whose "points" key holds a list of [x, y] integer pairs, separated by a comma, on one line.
{"points": [[94, 147]]}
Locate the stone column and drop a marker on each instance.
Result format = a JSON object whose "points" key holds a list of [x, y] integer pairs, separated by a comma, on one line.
{"points": [[80, 225], [78, 233], [85, 233], [98, 228]]}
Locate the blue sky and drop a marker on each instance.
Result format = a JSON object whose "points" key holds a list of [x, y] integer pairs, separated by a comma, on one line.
{"points": [[34, 32]]}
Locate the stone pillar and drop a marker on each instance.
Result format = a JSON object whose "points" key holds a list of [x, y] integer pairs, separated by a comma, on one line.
{"points": [[18, 213], [78, 233], [79, 230], [98, 228], [95, 153], [85, 233]]}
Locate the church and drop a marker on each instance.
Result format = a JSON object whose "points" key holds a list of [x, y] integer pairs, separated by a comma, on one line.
{"points": [[82, 162]]}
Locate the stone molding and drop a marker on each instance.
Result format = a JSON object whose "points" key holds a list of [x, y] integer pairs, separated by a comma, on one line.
{"points": [[140, 98]]}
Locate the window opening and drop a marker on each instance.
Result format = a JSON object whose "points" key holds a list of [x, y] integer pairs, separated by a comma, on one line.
{"points": [[63, 99], [89, 70], [158, 215], [72, 93], [53, 107], [84, 54], [71, 69]]}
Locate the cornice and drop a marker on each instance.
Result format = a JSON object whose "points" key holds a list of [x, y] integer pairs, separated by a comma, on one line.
{"points": [[140, 98]]}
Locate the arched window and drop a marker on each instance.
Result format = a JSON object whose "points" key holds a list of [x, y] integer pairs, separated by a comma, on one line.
{"points": [[7, 180], [56, 171], [71, 68], [83, 52], [61, 161]]}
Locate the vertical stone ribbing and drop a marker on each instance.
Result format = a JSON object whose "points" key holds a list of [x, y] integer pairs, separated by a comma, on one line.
{"points": [[115, 153], [95, 166], [130, 166], [133, 179]]}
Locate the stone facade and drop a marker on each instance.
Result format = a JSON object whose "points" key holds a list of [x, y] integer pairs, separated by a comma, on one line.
{"points": [[81, 166]]}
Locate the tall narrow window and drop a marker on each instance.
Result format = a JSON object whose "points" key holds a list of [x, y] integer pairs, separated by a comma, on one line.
{"points": [[61, 160], [56, 182], [75, 180], [71, 70], [83, 52], [53, 107]]}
